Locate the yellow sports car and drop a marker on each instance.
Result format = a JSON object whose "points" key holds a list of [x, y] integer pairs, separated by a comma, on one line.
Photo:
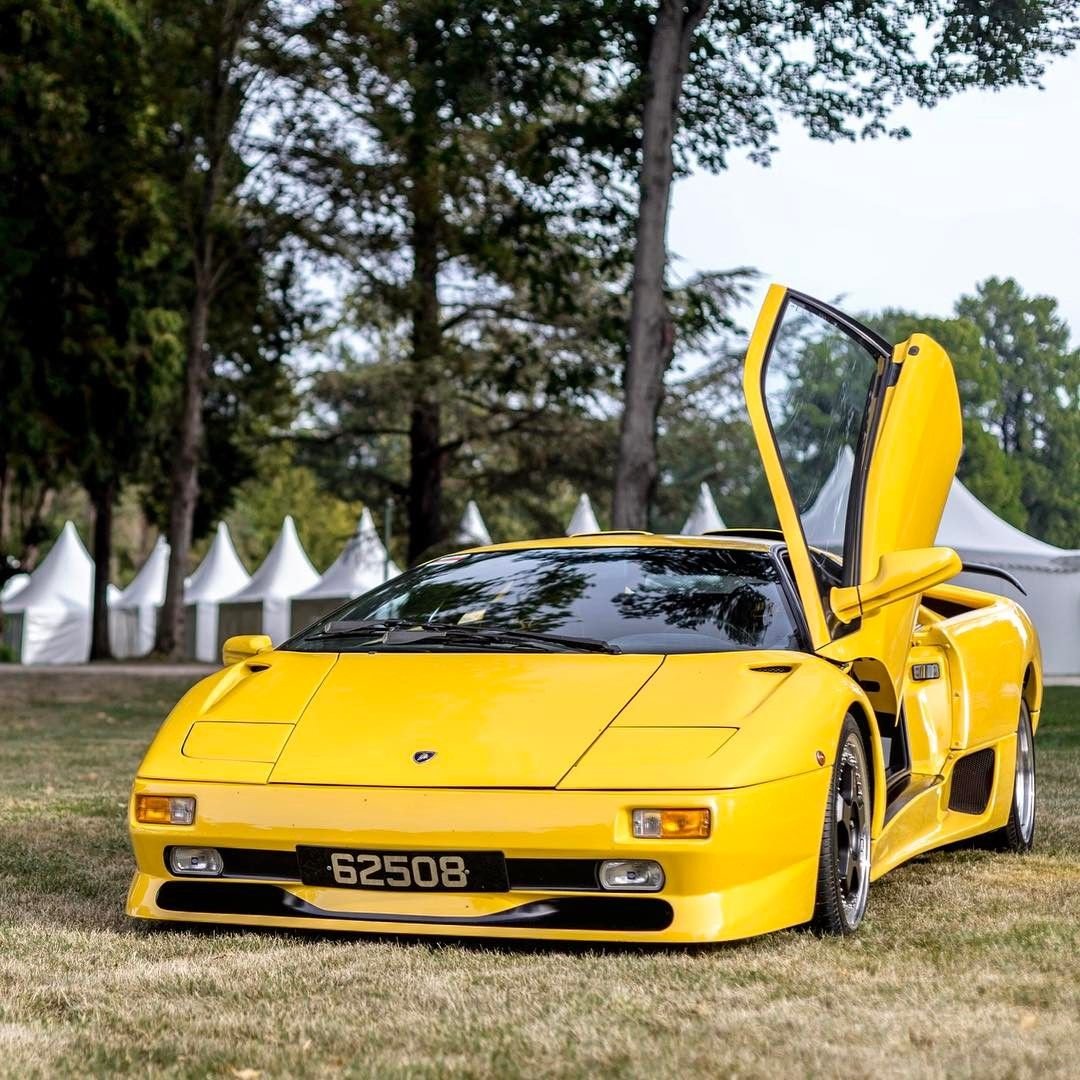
{"points": [[626, 736]]}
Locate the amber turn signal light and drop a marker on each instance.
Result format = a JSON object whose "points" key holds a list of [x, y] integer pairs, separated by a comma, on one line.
{"points": [[693, 824], [164, 809]]}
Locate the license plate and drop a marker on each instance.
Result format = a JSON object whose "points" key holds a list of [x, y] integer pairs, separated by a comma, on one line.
{"points": [[404, 871]]}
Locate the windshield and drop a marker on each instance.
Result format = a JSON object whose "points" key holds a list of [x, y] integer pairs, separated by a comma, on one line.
{"points": [[641, 600]]}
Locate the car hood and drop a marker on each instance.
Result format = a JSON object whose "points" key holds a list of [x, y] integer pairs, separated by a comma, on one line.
{"points": [[528, 720], [480, 720]]}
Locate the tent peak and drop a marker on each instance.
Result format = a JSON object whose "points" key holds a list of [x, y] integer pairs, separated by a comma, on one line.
{"points": [[583, 519], [704, 517]]}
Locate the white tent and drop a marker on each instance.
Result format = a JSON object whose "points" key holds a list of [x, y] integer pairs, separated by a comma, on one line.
{"points": [[362, 565], [133, 614], [704, 517], [220, 574], [1050, 575], [823, 523], [262, 606], [471, 530], [13, 585], [48, 620], [584, 520]]}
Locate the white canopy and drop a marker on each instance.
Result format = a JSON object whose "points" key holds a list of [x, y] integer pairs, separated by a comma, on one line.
{"points": [[48, 619], [704, 517], [361, 565], [1050, 575], [969, 526], [13, 585], [583, 520], [133, 614], [471, 530], [823, 523], [286, 571], [220, 574]]}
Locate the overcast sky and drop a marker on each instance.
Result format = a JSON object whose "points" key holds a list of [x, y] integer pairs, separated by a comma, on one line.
{"points": [[988, 183]]}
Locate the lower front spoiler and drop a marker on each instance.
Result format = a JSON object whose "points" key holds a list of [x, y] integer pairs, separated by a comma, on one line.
{"points": [[557, 913]]}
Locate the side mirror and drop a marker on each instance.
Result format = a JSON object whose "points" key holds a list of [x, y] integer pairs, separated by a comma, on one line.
{"points": [[242, 646], [901, 574]]}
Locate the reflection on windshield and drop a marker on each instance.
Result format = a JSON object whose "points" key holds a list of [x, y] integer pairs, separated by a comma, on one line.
{"points": [[653, 600]]}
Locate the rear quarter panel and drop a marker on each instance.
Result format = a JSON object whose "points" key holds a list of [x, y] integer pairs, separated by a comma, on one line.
{"points": [[994, 662]]}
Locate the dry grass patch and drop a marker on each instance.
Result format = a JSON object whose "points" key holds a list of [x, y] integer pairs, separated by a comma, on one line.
{"points": [[967, 965]]}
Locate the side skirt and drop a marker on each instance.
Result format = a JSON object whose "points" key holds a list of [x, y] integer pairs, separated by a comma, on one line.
{"points": [[920, 819]]}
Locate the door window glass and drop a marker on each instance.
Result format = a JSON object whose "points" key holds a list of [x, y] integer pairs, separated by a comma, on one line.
{"points": [[818, 384]]}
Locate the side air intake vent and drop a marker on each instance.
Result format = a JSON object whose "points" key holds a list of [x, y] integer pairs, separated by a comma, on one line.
{"points": [[972, 782], [774, 669]]}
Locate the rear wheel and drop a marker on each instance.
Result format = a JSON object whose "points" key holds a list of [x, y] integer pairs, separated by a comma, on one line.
{"points": [[1018, 833], [844, 866]]}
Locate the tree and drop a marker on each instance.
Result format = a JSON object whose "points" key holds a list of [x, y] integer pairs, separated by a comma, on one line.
{"points": [[93, 351], [208, 74], [1032, 407], [442, 145], [523, 419], [704, 80]]}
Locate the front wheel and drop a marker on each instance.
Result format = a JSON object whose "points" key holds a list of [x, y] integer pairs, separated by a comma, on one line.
{"points": [[1018, 833], [844, 866]]}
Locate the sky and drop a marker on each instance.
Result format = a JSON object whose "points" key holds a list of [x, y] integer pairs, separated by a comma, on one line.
{"points": [[987, 184]]}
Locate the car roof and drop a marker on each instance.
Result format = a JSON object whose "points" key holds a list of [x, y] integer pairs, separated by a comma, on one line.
{"points": [[764, 540]]}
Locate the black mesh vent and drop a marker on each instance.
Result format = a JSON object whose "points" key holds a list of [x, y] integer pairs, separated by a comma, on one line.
{"points": [[561, 913], [972, 782]]}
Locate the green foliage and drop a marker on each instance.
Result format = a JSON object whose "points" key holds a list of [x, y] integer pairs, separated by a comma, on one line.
{"points": [[324, 522], [1019, 379], [88, 350], [705, 436], [838, 69], [1031, 405], [436, 138]]}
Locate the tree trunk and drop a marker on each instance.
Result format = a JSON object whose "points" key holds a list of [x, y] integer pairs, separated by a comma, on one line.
{"points": [[184, 481], [652, 336], [425, 479], [425, 426], [103, 498], [224, 107]]}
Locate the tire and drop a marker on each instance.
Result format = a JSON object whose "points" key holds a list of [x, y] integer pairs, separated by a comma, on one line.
{"points": [[843, 882], [1018, 833]]}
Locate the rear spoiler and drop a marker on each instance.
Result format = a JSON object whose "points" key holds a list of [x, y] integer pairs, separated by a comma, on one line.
{"points": [[992, 571]]}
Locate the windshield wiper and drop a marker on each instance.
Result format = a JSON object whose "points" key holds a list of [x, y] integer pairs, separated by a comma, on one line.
{"points": [[510, 636], [379, 630], [347, 629]]}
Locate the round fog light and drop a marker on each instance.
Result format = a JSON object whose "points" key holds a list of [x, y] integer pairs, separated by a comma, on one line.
{"points": [[639, 875], [200, 861]]}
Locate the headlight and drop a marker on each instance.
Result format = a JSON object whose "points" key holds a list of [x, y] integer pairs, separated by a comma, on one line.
{"points": [[165, 809], [693, 824], [638, 875], [200, 861]]}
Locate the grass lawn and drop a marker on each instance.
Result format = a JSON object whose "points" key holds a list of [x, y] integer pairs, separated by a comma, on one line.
{"points": [[968, 963]]}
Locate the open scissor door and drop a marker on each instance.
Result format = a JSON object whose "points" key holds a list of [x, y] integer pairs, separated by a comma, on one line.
{"points": [[859, 441]]}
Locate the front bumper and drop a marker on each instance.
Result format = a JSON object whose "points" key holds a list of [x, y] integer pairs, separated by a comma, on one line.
{"points": [[756, 872]]}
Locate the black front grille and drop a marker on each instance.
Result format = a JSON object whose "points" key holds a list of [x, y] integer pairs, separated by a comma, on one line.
{"points": [[561, 913], [972, 782], [541, 875], [579, 875]]}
